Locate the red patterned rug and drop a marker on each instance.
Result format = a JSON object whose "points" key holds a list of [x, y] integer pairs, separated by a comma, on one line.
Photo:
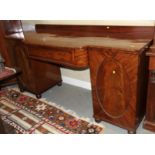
{"points": [[24, 114]]}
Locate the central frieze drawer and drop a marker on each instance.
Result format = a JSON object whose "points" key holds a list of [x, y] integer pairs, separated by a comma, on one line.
{"points": [[51, 54]]}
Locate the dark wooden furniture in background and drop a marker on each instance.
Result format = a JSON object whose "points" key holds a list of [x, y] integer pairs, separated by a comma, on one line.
{"points": [[8, 27], [9, 61], [3, 46], [149, 122]]}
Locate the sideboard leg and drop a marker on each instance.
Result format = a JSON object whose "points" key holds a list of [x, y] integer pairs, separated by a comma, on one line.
{"points": [[97, 120], [59, 83], [38, 96], [131, 132], [21, 88], [20, 85]]}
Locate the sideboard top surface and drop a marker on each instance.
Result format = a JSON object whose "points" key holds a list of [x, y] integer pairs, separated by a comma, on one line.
{"points": [[45, 39]]}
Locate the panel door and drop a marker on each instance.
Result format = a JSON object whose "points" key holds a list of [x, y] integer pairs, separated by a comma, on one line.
{"points": [[114, 85]]}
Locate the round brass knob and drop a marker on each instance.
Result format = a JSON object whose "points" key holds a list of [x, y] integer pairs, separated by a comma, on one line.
{"points": [[114, 72]]}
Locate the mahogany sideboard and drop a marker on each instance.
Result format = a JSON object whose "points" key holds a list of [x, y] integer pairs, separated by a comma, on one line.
{"points": [[117, 62], [118, 70]]}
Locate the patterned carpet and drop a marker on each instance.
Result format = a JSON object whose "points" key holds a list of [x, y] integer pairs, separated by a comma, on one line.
{"points": [[26, 115]]}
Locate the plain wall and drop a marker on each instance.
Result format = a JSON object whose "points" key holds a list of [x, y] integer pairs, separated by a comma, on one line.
{"points": [[84, 75], [93, 22]]}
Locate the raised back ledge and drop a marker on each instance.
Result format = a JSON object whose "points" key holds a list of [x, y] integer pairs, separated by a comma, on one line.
{"points": [[130, 32]]}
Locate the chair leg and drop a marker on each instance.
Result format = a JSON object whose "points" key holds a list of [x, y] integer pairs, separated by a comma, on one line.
{"points": [[20, 86]]}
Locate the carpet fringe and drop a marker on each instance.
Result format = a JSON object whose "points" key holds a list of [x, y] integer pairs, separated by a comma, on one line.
{"points": [[69, 111]]}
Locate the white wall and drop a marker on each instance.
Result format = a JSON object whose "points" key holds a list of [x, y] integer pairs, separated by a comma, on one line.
{"points": [[84, 75], [93, 22]]}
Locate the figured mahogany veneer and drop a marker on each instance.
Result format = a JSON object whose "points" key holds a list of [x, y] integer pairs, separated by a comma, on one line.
{"points": [[119, 81], [62, 56]]}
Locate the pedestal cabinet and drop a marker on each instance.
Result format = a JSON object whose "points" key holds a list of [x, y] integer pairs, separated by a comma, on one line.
{"points": [[37, 76], [119, 80], [149, 122]]}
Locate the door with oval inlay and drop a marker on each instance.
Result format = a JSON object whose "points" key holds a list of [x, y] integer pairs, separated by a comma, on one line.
{"points": [[112, 88], [114, 79]]}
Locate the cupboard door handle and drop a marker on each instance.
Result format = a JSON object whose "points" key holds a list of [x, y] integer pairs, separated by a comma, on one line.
{"points": [[113, 72]]}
